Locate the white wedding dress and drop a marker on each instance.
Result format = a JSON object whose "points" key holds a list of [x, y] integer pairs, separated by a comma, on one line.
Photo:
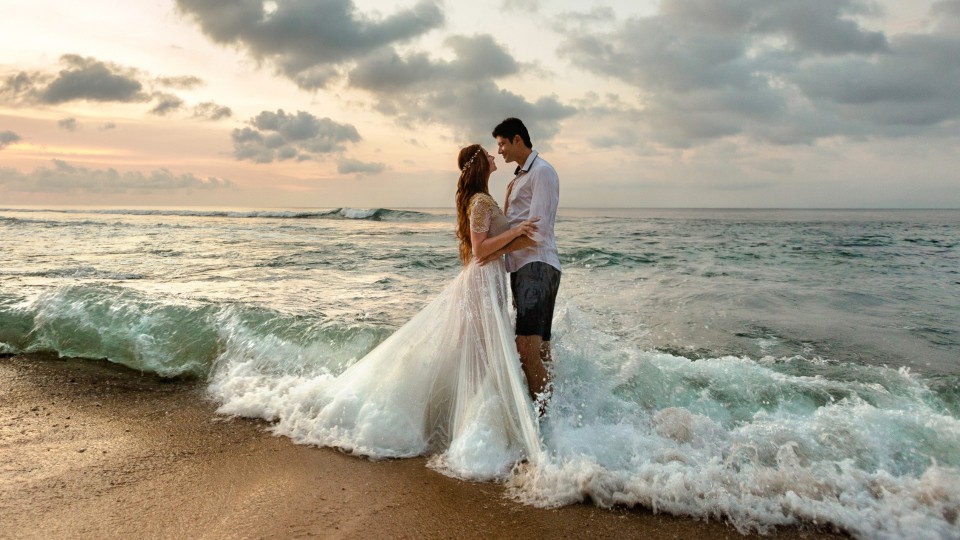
{"points": [[448, 383]]}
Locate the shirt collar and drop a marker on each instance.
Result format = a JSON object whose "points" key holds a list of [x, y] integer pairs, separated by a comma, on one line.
{"points": [[526, 164]]}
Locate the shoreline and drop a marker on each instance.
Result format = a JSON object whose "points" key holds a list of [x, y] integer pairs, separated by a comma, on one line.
{"points": [[94, 449]]}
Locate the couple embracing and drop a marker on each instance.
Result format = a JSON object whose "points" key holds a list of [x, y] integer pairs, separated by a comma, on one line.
{"points": [[523, 231], [460, 381]]}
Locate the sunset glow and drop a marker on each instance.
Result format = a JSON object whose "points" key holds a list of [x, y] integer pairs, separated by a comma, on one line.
{"points": [[846, 103]]}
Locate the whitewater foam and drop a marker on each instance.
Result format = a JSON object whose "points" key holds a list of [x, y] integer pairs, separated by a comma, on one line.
{"points": [[720, 438]]}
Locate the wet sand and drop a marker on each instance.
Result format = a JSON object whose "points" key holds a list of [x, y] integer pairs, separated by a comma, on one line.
{"points": [[89, 449]]}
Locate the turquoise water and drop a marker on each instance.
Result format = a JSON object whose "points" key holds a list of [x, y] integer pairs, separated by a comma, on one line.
{"points": [[760, 366]]}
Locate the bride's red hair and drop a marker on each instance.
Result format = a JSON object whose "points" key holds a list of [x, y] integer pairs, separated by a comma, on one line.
{"points": [[474, 178]]}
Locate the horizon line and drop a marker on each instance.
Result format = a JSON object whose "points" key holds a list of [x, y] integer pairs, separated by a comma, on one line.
{"points": [[366, 207]]}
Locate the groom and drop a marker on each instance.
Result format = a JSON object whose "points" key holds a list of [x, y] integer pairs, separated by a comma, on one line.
{"points": [[534, 270]]}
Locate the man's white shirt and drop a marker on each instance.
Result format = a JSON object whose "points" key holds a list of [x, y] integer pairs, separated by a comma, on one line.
{"points": [[535, 193]]}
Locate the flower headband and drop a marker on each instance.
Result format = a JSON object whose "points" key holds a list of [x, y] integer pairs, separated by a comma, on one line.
{"points": [[470, 161]]}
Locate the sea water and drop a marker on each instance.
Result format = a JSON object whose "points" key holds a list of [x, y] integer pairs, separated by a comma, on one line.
{"points": [[763, 367]]}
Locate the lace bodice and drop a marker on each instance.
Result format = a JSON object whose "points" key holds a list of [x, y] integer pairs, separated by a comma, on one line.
{"points": [[486, 216]]}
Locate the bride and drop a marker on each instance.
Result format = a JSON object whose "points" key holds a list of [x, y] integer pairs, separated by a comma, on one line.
{"points": [[448, 382]]}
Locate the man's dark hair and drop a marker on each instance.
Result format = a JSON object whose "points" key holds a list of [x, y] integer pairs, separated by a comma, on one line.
{"points": [[512, 127]]}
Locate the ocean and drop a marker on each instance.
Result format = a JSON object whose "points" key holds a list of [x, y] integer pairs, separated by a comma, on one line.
{"points": [[764, 367]]}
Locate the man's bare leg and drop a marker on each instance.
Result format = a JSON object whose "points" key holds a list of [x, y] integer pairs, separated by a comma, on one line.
{"points": [[546, 359], [530, 349], [546, 354]]}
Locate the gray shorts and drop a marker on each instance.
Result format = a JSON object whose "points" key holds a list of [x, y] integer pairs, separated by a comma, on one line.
{"points": [[534, 287]]}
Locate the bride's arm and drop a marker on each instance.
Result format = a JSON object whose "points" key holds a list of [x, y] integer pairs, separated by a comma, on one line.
{"points": [[486, 246], [519, 242]]}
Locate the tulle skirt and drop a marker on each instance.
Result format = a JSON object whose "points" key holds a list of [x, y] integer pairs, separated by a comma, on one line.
{"points": [[448, 383]]}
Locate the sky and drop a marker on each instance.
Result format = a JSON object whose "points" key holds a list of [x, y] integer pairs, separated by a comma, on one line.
{"points": [[365, 103]]}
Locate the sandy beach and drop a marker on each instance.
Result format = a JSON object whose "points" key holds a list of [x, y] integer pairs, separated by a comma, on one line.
{"points": [[91, 449]]}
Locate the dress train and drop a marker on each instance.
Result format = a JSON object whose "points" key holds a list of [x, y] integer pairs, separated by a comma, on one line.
{"points": [[447, 383]]}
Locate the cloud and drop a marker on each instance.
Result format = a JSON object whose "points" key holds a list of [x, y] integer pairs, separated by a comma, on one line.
{"points": [[314, 41], [826, 27], [776, 71], [211, 111], [918, 86], [89, 79], [63, 177], [584, 19], [947, 15], [307, 40], [166, 104], [184, 82], [17, 88], [7, 138], [477, 58], [69, 124], [107, 126], [460, 93], [22, 87], [279, 136], [92, 80], [530, 6], [617, 136], [350, 166]]}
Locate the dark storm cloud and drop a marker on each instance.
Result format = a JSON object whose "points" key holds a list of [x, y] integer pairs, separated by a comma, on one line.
{"points": [[7, 138], [166, 104], [307, 39], [69, 124], [353, 166], [63, 177], [211, 111], [773, 70], [92, 80], [281, 136], [460, 93]]}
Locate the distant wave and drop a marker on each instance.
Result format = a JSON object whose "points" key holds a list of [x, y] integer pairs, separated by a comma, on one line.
{"points": [[170, 337], [77, 272], [371, 214]]}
